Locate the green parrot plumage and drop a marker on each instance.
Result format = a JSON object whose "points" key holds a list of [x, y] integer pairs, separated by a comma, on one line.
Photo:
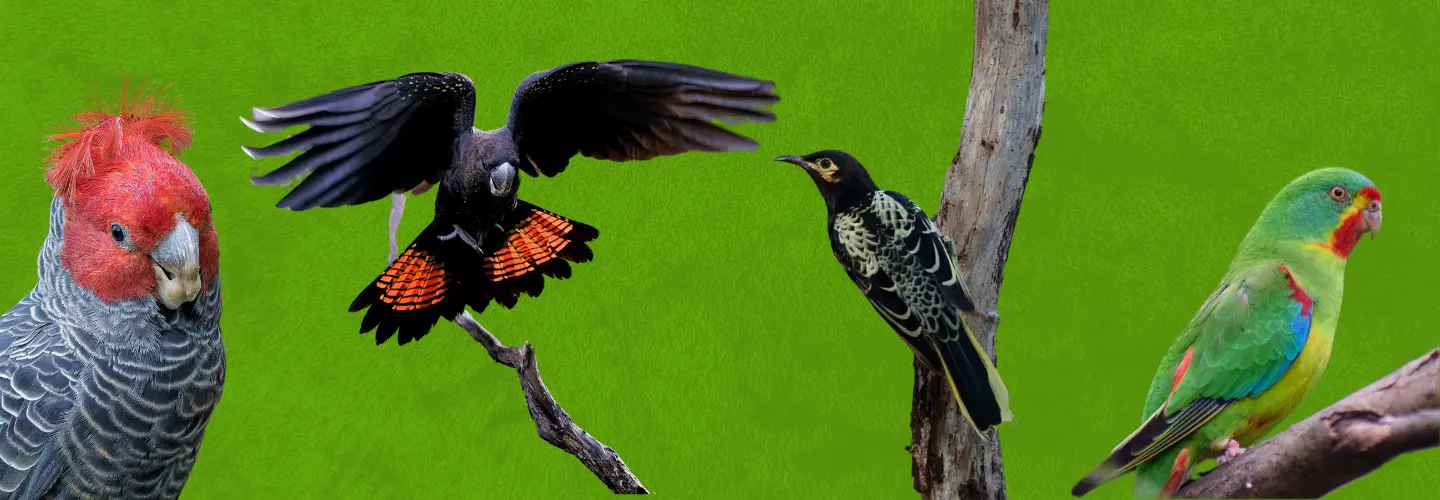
{"points": [[1258, 344]]}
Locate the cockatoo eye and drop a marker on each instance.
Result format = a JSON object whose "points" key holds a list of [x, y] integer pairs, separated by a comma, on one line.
{"points": [[119, 234], [1338, 193]]}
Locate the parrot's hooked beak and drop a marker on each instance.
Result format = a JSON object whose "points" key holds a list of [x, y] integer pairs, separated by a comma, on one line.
{"points": [[502, 179], [1370, 220], [176, 262]]}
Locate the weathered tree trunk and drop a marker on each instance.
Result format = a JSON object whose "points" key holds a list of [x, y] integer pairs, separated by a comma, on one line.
{"points": [[980, 204], [1397, 414]]}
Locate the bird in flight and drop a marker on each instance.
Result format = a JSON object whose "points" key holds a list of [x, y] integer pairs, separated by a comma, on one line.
{"points": [[417, 131]]}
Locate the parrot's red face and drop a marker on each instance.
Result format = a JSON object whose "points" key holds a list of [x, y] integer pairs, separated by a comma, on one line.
{"points": [[137, 221], [1361, 216]]}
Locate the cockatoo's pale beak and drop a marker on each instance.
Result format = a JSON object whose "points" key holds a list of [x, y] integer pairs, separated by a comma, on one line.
{"points": [[176, 262], [502, 179]]}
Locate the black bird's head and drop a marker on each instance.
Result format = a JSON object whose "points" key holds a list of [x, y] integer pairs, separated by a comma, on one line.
{"points": [[497, 161], [485, 180], [502, 181], [835, 172]]}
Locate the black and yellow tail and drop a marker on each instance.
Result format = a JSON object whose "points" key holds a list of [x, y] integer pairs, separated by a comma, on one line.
{"points": [[1156, 439], [973, 379]]}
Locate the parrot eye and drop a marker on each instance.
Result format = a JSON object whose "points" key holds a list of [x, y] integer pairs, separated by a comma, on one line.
{"points": [[1338, 193], [119, 234]]}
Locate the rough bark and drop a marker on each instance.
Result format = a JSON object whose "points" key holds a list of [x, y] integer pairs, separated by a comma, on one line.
{"points": [[979, 207], [551, 421], [1397, 414]]}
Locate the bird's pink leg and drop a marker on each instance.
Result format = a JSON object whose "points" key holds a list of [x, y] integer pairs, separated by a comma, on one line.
{"points": [[1232, 451], [397, 210]]}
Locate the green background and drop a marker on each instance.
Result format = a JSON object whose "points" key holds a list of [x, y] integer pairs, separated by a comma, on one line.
{"points": [[714, 342]]}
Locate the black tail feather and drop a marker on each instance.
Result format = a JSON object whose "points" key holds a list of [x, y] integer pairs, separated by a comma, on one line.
{"points": [[413, 293], [971, 381]]}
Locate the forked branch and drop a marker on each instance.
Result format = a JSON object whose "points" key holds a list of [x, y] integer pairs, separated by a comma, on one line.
{"points": [[551, 421], [1395, 415]]}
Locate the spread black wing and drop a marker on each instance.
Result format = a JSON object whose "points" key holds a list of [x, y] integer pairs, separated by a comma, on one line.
{"points": [[367, 141], [631, 110]]}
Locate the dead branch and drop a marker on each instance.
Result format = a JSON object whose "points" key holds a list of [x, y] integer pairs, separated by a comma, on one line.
{"points": [[979, 207], [551, 421], [1395, 415]]}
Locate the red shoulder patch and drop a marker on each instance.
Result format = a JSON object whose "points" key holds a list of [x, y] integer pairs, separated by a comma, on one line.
{"points": [[1296, 293]]}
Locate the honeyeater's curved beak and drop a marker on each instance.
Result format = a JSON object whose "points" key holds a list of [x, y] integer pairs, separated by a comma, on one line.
{"points": [[176, 262], [1370, 220], [794, 160]]}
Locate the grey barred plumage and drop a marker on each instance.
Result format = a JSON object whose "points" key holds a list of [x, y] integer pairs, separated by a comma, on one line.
{"points": [[908, 271], [103, 400]]}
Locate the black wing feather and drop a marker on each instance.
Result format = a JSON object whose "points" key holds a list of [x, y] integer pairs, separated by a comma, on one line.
{"points": [[631, 110], [936, 253], [367, 141], [909, 264]]}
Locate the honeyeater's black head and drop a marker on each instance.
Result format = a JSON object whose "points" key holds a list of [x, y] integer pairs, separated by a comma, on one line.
{"points": [[838, 175]]}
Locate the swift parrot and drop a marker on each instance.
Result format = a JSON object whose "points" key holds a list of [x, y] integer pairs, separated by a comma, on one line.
{"points": [[1259, 343]]}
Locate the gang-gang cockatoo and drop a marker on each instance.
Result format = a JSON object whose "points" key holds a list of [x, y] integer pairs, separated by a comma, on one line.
{"points": [[111, 366], [1261, 341]]}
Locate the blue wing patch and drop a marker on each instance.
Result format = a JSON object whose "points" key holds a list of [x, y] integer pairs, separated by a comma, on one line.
{"points": [[1300, 332]]}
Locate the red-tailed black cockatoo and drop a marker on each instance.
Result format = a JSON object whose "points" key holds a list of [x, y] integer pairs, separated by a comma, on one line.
{"points": [[392, 136]]}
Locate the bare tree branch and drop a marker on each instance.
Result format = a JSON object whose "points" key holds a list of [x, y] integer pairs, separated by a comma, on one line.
{"points": [[1395, 415], [978, 209], [551, 421]]}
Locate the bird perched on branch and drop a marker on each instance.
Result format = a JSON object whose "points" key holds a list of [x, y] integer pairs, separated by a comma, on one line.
{"points": [[1258, 344], [906, 268], [416, 131], [111, 366]]}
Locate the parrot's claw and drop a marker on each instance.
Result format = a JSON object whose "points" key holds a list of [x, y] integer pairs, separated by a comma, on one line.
{"points": [[474, 242], [1232, 451]]}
